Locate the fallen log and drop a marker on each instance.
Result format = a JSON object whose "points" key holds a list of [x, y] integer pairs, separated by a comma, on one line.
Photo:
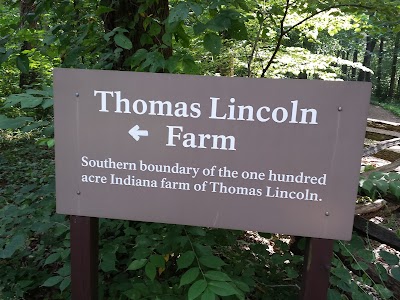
{"points": [[388, 155], [383, 132], [376, 232], [383, 169], [371, 150], [392, 126], [362, 209]]}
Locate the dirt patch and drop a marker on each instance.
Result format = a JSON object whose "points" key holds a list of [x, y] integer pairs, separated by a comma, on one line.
{"points": [[377, 112]]}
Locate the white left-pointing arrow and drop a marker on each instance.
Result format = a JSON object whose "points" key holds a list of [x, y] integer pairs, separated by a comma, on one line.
{"points": [[136, 133]]}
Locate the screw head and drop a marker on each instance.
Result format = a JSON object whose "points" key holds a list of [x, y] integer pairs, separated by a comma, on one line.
{"points": [[327, 213], [76, 94], [78, 192], [339, 108]]}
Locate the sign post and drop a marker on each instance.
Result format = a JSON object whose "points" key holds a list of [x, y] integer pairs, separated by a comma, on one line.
{"points": [[316, 269], [84, 258], [278, 156]]}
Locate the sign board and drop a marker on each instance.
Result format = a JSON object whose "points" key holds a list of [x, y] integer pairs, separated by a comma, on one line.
{"points": [[278, 156]]}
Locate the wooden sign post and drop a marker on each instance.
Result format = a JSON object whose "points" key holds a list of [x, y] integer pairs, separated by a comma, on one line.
{"points": [[84, 257], [316, 269]]}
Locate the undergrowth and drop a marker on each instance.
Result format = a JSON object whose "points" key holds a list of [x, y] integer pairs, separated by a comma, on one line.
{"points": [[149, 260]]}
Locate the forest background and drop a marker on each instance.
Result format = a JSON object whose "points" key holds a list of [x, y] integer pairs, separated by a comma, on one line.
{"points": [[325, 40]]}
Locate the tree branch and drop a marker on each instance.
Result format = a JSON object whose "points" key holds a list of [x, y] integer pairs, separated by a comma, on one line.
{"points": [[253, 50], [279, 41], [285, 32], [322, 11]]}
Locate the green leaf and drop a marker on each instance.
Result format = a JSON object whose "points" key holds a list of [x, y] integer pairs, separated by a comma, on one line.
{"points": [[23, 63], [382, 185], [167, 39], [377, 175], [212, 43], [242, 286], [222, 288], [9, 123], [199, 28], [178, 12], [50, 143], [291, 272], [219, 23], [217, 276], [196, 8], [185, 260], [393, 176], [103, 9], [52, 281], [108, 35], [14, 99], [196, 231], [5, 56], [360, 265], [150, 270], [50, 39], [356, 294], [172, 63], [16, 242], [367, 185], [65, 270], [47, 103], [396, 273], [394, 188], [137, 264], [72, 56], [382, 272], [158, 261], [138, 57], [182, 36], [189, 276], [123, 41], [52, 258], [196, 289], [208, 295], [31, 102], [154, 60], [146, 39], [189, 66], [356, 243], [342, 273], [108, 262], [383, 291], [65, 283], [367, 255], [212, 261], [389, 258], [155, 29]]}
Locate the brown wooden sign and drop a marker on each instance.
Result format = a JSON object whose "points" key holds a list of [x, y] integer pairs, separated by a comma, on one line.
{"points": [[278, 156]]}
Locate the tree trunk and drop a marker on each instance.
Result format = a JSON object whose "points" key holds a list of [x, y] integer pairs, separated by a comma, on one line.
{"points": [[370, 46], [125, 10], [394, 66], [27, 7], [379, 68], [345, 55], [398, 88], [354, 70]]}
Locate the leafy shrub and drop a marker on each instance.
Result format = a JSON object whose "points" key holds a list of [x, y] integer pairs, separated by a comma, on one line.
{"points": [[380, 184]]}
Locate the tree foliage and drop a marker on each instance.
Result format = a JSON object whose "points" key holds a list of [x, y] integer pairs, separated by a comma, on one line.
{"points": [[328, 40]]}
